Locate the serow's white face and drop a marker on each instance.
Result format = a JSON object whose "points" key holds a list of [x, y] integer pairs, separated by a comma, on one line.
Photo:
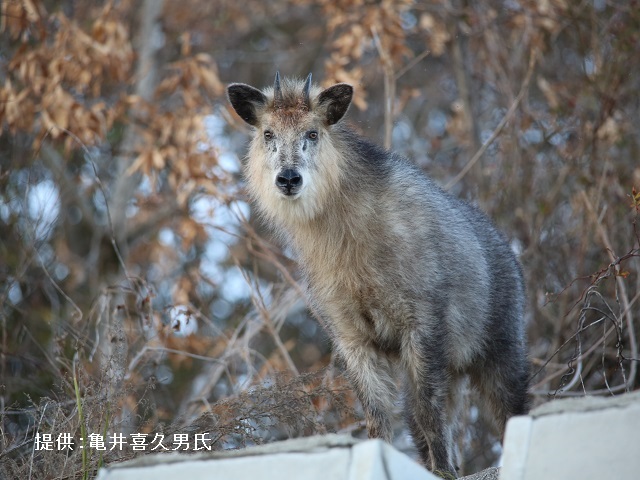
{"points": [[292, 168], [293, 162], [291, 156]]}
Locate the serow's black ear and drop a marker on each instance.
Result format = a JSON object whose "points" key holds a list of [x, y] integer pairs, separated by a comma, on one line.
{"points": [[336, 101], [244, 99]]}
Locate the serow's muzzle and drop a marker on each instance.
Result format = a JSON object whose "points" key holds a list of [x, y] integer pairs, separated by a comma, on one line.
{"points": [[289, 181]]}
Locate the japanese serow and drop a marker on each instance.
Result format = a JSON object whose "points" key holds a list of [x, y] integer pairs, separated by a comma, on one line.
{"points": [[408, 277]]}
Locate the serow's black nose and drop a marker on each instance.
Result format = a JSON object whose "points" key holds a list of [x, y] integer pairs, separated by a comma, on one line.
{"points": [[289, 181]]}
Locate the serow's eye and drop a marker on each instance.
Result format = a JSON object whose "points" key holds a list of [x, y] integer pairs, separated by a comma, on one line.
{"points": [[312, 135], [268, 135]]}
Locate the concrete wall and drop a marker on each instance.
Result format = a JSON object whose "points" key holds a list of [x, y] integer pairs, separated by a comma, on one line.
{"points": [[582, 438], [587, 438], [331, 457]]}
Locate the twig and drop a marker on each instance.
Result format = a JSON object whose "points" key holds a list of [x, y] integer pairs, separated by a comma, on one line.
{"points": [[389, 88], [459, 56], [562, 367], [114, 244], [55, 163], [135, 360], [259, 303], [411, 64], [621, 287], [33, 451], [271, 257], [501, 125]]}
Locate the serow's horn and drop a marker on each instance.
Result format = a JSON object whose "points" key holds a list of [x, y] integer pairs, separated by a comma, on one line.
{"points": [[305, 92], [277, 91]]}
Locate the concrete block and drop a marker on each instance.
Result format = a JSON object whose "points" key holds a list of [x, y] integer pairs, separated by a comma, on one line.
{"points": [[583, 438], [333, 457]]}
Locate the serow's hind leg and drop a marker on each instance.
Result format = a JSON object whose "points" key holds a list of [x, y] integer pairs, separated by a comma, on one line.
{"points": [[427, 398], [503, 387]]}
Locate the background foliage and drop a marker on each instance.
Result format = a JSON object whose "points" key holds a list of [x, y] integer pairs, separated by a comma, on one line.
{"points": [[130, 263]]}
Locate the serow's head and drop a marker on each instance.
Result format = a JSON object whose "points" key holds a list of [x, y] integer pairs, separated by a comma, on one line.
{"points": [[292, 150]]}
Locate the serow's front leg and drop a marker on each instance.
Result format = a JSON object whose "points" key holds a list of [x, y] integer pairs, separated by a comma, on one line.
{"points": [[370, 373]]}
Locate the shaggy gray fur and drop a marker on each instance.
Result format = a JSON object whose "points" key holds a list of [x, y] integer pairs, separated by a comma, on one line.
{"points": [[408, 277]]}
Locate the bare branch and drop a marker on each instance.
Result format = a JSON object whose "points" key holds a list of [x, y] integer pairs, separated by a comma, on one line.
{"points": [[496, 132]]}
